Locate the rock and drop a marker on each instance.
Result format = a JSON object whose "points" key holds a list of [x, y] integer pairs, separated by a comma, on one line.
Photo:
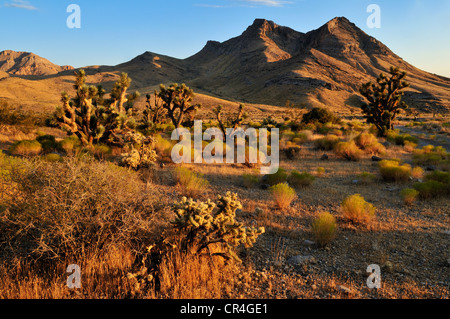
{"points": [[162, 165], [344, 289], [308, 242], [430, 168], [301, 260], [324, 157], [376, 159], [355, 181], [265, 186]]}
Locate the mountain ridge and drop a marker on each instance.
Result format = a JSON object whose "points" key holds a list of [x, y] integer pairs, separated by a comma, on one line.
{"points": [[269, 64]]}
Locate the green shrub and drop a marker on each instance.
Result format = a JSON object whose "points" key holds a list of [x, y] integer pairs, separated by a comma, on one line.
{"points": [[431, 189], [279, 177], [48, 143], [392, 171], [349, 151], [70, 144], [324, 229], [354, 208], [283, 195], [191, 184], [320, 115], [409, 195], [250, 180], [430, 155], [327, 143], [298, 180], [26, 148], [52, 158], [366, 178]]}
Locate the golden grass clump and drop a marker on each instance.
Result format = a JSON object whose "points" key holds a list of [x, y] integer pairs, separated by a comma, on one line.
{"points": [[283, 195], [324, 229], [26, 148], [191, 184], [327, 143], [357, 210], [349, 151], [298, 180], [393, 171], [409, 195]]}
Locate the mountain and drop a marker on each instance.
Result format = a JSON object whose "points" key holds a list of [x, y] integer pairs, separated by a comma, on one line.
{"points": [[267, 64], [25, 63]]}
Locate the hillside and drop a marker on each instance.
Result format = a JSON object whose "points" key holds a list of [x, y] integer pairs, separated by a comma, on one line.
{"points": [[267, 64]]}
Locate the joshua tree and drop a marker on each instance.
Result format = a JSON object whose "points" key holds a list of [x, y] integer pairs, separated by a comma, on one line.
{"points": [[385, 100], [233, 123], [176, 99], [92, 118]]}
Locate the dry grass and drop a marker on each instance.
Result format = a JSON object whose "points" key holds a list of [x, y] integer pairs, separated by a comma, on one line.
{"points": [[355, 209], [324, 229], [283, 195]]}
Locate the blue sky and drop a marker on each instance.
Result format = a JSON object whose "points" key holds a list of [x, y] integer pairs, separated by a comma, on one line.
{"points": [[115, 31]]}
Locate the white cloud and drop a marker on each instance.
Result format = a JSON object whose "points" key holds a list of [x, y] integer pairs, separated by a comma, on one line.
{"points": [[21, 4]]}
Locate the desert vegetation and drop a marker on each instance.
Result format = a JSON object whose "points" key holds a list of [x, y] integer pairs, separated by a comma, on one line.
{"points": [[93, 184]]}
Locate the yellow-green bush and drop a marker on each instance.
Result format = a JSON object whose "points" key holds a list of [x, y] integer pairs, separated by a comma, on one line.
{"points": [[354, 208], [327, 143], [191, 184], [26, 148], [283, 195], [298, 180], [409, 195], [393, 171], [349, 151], [324, 229]]}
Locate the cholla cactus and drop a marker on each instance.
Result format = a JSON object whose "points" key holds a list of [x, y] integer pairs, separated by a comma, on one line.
{"points": [[141, 153], [202, 226]]}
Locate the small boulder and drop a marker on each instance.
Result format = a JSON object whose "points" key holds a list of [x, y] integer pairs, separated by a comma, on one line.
{"points": [[324, 157], [376, 158]]}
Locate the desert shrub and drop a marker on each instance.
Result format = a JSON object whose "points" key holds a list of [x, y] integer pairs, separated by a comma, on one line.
{"points": [[354, 208], [430, 155], [292, 151], [365, 140], [70, 144], [327, 143], [320, 171], [409, 195], [409, 146], [442, 177], [431, 189], [279, 177], [324, 229], [298, 180], [417, 172], [191, 184], [163, 148], [401, 139], [302, 137], [52, 157], [320, 115], [201, 225], [366, 178], [283, 195], [74, 209], [349, 151], [393, 171], [26, 148], [48, 143], [250, 180], [140, 153]]}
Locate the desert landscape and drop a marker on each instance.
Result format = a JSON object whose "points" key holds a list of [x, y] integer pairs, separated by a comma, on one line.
{"points": [[87, 176]]}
